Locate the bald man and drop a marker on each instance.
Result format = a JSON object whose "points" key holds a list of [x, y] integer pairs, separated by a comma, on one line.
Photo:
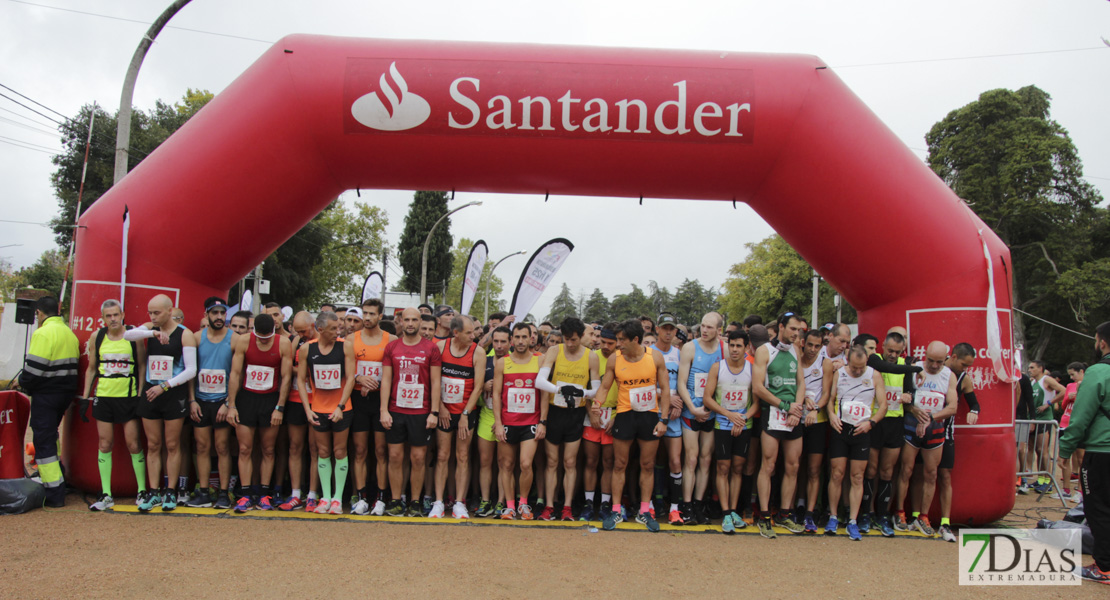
{"points": [[171, 352], [934, 400]]}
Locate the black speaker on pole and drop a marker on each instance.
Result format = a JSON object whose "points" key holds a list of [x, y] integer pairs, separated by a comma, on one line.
{"points": [[25, 311]]}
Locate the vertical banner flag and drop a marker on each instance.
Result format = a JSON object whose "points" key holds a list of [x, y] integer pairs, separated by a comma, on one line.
{"points": [[372, 287], [539, 271], [123, 256], [473, 273]]}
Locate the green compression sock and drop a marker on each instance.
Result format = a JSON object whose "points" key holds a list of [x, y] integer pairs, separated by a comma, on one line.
{"points": [[139, 462], [104, 462], [323, 466], [340, 477]]}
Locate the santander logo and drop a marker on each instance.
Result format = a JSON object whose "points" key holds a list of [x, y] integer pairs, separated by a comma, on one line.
{"points": [[405, 111]]}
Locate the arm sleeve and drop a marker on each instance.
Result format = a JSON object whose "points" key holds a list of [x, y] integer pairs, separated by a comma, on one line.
{"points": [[972, 402], [883, 366], [189, 354], [138, 333], [594, 384], [543, 384]]}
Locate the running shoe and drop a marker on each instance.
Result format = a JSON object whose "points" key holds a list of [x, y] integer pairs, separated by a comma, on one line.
{"points": [[548, 513], [498, 508], [396, 508], [322, 507], [790, 524], [606, 510], [293, 503], [727, 525], [1092, 573], [243, 505], [200, 499], [459, 511], [379, 508], [426, 507], [567, 515], [508, 514], [900, 523], [612, 520], [104, 502], [182, 497], [437, 510], [675, 518], [864, 522], [686, 509], [885, 527], [699, 513], [485, 510], [540, 505], [222, 502], [830, 527], [311, 505], [169, 501], [144, 501], [946, 533], [809, 525], [922, 524], [737, 521], [414, 511], [647, 518], [853, 532], [1076, 497], [360, 507], [1041, 488], [336, 508], [765, 528], [525, 512], [587, 512], [265, 503], [1023, 489]]}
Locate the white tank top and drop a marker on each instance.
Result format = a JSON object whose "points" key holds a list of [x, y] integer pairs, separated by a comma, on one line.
{"points": [[734, 392], [855, 395], [932, 390]]}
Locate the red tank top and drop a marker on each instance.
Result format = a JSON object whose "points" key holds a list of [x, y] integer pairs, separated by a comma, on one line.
{"points": [[262, 369], [457, 378]]}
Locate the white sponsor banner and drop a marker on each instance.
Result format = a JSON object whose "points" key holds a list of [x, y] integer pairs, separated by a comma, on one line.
{"points": [[372, 287], [538, 273], [473, 275], [1020, 557]]}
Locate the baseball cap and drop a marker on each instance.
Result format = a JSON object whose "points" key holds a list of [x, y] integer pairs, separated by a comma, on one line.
{"points": [[444, 309], [666, 318], [681, 335], [354, 310], [212, 303], [427, 306], [828, 326]]}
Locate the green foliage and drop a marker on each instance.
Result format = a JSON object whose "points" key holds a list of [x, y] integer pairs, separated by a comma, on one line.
{"points": [[630, 306], [692, 301], [459, 255], [426, 208], [596, 308], [47, 273], [563, 306]]}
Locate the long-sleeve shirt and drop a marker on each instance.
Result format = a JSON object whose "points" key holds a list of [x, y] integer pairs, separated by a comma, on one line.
{"points": [[52, 358], [1090, 417]]}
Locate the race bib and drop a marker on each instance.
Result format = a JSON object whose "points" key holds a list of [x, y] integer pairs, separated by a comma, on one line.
{"points": [[453, 390], [606, 415], [369, 368], [929, 400], [699, 384], [558, 400], [855, 412], [734, 398], [212, 381], [116, 364], [327, 377], [159, 367], [642, 399], [521, 400], [776, 420], [489, 402], [259, 379], [410, 395], [893, 399]]}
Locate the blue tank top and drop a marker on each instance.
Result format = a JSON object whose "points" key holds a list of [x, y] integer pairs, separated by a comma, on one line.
{"points": [[699, 372], [671, 360], [213, 368]]}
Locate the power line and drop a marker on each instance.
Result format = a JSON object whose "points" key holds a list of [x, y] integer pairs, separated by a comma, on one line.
{"points": [[34, 101], [29, 127], [1053, 324], [926, 60], [50, 152], [27, 143], [24, 117], [30, 109]]}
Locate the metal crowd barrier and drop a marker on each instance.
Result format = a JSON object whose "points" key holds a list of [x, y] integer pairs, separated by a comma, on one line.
{"points": [[1028, 429]]}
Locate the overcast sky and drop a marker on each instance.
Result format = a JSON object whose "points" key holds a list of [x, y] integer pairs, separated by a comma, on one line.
{"points": [[945, 53]]}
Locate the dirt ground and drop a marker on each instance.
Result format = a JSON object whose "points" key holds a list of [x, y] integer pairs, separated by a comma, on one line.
{"points": [[72, 552]]}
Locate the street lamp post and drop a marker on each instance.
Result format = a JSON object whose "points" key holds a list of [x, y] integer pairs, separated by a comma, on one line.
{"points": [[488, 278], [428, 240]]}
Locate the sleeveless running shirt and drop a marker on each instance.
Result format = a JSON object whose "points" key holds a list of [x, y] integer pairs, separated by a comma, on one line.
{"points": [[262, 368], [328, 373], [566, 372], [116, 374], [294, 396], [699, 372], [213, 367], [1042, 395], [932, 390], [733, 393], [637, 383], [894, 385], [519, 397], [671, 359], [815, 379], [782, 381], [163, 361], [457, 379], [368, 358], [855, 396]]}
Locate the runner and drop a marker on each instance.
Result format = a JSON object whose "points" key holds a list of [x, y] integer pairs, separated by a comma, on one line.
{"points": [[209, 413], [637, 373], [728, 394], [368, 347], [780, 386], [595, 433], [934, 400], [115, 367], [520, 419], [411, 368], [329, 409], [568, 379], [171, 352], [672, 440], [697, 422], [463, 377], [1045, 389], [427, 327], [963, 356], [352, 321], [1076, 371], [443, 314], [259, 385], [857, 394], [296, 421], [240, 322], [274, 310], [815, 363], [487, 441]]}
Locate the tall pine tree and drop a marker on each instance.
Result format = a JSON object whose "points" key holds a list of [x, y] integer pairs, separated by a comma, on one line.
{"points": [[426, 208]]}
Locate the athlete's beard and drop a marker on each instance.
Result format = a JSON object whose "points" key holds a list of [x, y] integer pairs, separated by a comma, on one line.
{"points": [[217, 324]]}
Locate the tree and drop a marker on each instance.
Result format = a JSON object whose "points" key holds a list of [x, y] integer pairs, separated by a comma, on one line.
{"points": [[47, 273], [596, 308], [692, 301], [660, 298], [630, 305], [1020, 172], [9, 281], [562, 306], [774, 279], [426, 208], [358, 240], [459, 255]]}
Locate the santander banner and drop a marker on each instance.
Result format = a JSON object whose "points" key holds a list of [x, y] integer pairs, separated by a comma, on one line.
{"points": [[560, 100]]}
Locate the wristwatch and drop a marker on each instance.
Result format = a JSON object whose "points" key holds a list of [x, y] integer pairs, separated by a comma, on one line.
{"points": [[465, 412], [435, 413], [279, 408], [543, 422]]}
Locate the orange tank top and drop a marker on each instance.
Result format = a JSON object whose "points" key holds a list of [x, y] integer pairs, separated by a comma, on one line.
{"points": [[637, 385], [368, 359]]}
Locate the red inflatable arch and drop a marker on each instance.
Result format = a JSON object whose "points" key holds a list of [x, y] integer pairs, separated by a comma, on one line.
{"points": [[316, 116]]}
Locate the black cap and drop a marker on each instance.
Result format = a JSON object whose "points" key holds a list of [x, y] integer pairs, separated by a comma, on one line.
{"points": [[666, 318], [425, 305], [681, 335]]}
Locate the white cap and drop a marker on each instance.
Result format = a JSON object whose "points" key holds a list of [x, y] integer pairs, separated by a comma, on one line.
{"points": [[354, 310]]}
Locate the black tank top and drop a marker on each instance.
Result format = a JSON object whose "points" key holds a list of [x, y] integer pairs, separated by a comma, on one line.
{"points": [[172, 349]]}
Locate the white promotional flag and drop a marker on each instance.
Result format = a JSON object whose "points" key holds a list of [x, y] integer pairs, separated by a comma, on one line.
{"points": [[473, 274], [372, 287], [537, 274], [123, 255]]}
